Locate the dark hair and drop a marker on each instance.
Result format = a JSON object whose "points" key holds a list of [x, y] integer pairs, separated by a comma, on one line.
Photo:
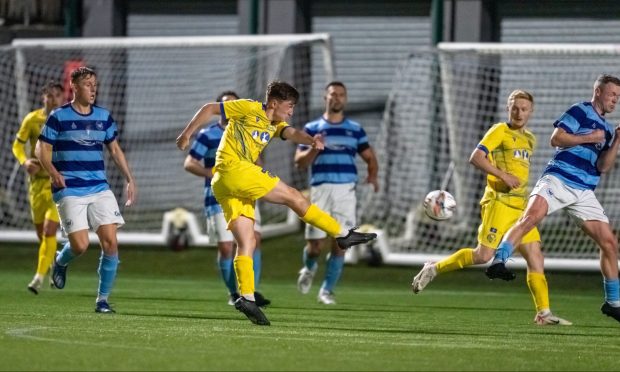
{"points": [[226, 93], [81, 73], [281, 91], [335, 83], [51, 85], [605, 79]]}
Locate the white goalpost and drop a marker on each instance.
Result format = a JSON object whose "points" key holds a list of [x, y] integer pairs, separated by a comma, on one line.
{"points": [[152, 86], [443, 100]]}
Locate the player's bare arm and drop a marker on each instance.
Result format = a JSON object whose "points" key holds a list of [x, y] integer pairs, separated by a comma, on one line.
{"points": [[607, 159], [480, 160], [43, 151], [118, 156], [368, 155], [201, 116], [302, 138], [195, 167], [561, 138], [304, 158]]}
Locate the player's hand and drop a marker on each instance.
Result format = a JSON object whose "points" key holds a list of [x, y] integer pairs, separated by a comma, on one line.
{"points": [[58, 181], [597, 136], [511, 181], [374, 182], [182, 141], [32, 166], [318, 143], [132, 193]]}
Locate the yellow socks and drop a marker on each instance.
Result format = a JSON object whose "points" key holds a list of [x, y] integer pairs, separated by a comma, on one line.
{"points": [[245, 275], [47, 253], [539, 289], [320, 219], [458, 260]]}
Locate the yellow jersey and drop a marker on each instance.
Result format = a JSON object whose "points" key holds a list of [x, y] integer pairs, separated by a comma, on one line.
{"points": [[509, 150], [248, 131], [29, 132]]}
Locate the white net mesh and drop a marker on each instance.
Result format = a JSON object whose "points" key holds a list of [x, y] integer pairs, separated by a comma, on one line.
{"points": [[153, 86], [441, 105]]}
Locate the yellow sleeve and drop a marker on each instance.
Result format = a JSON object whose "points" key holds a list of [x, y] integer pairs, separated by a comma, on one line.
{"points": [[19, 145], [492, 138], [237, 109], [279, 128]]}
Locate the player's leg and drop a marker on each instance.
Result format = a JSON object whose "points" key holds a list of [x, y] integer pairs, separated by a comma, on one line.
{"points": [[74, 221], [243, 231], [496, 217], [536, 280], [217, 230], [257, 259], [604, 237], [105, 218], [315, 239], [341, 203], [37, 210]]}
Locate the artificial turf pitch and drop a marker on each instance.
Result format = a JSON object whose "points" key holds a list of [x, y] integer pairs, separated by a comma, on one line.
{"points": [[172, 315]]}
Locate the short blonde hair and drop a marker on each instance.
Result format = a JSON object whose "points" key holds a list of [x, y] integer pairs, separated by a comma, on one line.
{"points": [[519, 93]]}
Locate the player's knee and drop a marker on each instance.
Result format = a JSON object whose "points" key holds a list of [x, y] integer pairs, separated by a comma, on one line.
{"points": [[609, 245]]}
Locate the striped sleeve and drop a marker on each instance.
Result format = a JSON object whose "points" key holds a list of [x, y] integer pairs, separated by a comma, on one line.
{"points": [[50, 130]]}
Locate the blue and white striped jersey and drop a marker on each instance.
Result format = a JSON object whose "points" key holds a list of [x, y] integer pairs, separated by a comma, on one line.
{"points": [[77, 148], [336, 163], [204, 148], [576, 165]]}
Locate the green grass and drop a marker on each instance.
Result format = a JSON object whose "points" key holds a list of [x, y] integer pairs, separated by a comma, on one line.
{"points": [[172, 315]]}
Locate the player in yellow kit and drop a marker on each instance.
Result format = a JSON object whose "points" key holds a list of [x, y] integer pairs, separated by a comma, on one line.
{"points": [[504, 155], [237, 182], [43, 209]]}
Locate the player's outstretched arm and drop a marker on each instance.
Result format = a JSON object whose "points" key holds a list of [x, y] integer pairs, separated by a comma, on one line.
{"points": [[561, 138], [43, 152], [479, 160], [200, 117], [121, 162], [302, 138]]}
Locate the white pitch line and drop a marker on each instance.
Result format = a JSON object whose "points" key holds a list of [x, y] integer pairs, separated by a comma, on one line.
{"points": [[25, 334]]}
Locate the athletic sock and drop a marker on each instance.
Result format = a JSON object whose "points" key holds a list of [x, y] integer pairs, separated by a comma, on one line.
{"points": [[333, 272], [245, 276], [66, 255], [107, 273], [316, 217], [257, 259], [537, 283], [503, 253], [612, 291], [228, 274], [458, 260], [309, 262]]}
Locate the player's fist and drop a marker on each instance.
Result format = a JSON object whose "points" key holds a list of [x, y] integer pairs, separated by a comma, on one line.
{"points": [[58, 181], [511, 181], [32, 166], [318, 143], [182, 141], [598, 136]]}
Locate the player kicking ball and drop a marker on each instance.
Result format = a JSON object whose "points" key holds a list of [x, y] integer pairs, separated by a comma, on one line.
{"points": [[238, 182]]}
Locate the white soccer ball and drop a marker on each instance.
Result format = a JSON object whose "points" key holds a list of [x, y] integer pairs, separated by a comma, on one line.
{"points": [[439, 205]]}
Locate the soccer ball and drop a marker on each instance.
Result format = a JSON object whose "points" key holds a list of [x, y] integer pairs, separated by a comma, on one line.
{"points": [[439, 205]]}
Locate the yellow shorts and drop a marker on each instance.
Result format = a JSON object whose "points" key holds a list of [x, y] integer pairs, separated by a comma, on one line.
{"points": [[497, 219], [42, 206], [236, 186]]}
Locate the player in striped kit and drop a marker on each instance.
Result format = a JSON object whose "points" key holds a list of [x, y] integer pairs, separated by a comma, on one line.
{"points": [[43, 210], [333, 177], [70, 149], [200, 162]]}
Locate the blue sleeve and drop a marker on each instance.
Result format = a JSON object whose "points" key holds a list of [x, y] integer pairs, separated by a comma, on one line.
{"points": [[362, 140], [111, 131], [571, 120], [50, 130], [200, 147]]}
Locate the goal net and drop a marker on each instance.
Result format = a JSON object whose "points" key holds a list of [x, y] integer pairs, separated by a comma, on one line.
{"points": [[442, 102], [153, 86]]}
